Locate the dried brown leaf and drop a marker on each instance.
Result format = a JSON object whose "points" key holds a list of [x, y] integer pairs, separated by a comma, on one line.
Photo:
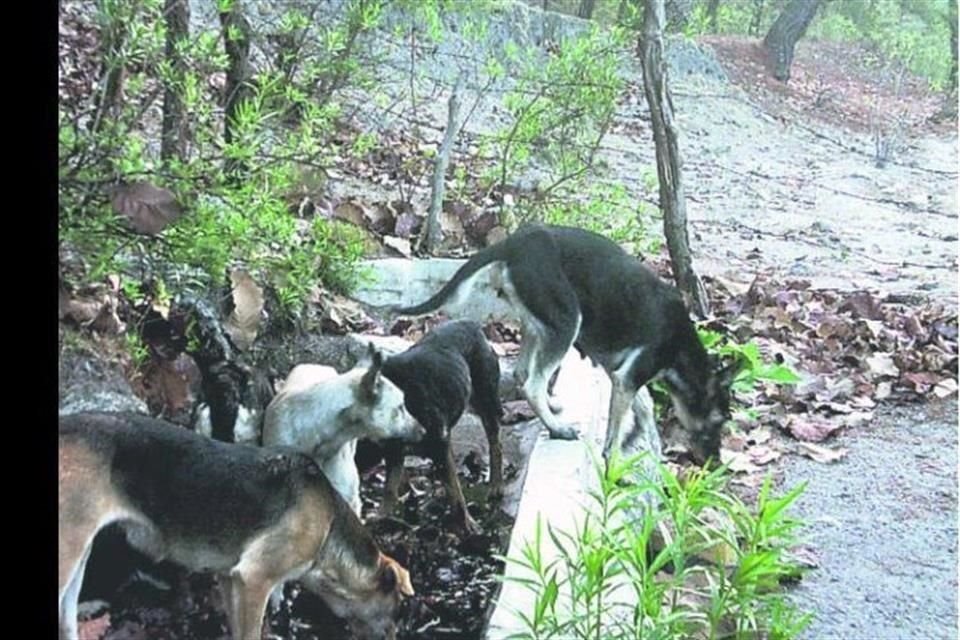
{"points": [[821, 454], [148, 209], [244, 320], [945, 388], [811, 430]]}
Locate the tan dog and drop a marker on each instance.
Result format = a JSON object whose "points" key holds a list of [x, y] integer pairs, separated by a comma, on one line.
{"points": [[257, 517]]}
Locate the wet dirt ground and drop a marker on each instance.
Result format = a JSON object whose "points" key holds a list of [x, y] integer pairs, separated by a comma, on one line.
{"points": [[454, 575], [883, 525]]}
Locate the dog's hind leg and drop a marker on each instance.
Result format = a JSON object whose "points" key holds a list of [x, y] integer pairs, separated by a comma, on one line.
{"points": [[550, 315], [546, 351]]}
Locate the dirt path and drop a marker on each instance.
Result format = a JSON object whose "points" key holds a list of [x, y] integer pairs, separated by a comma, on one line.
{"points": [[883, 523]]}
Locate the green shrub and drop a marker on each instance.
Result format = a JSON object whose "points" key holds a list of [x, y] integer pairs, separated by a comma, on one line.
{"points": [[627, 570]]}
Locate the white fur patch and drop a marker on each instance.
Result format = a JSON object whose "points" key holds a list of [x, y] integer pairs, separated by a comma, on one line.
{"points": [[481, 296], [245, 429]]}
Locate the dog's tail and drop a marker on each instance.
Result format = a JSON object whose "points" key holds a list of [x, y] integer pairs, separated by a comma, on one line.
{"points": [[479, 260]]}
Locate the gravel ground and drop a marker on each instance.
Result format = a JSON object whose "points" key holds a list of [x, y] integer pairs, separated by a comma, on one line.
{"points": [[884, 524]]}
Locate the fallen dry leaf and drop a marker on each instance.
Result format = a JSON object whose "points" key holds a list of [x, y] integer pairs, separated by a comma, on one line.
{"points": [[945, 388], [820, 453], [94, 629], [400, 245], [811, 429], [149, 209], [738, 461], [244, 320], [881, 364]]}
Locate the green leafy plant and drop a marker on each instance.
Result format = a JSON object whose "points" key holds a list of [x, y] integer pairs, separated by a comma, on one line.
{"points": [[282, 126], [560, 108], [698, 563]]}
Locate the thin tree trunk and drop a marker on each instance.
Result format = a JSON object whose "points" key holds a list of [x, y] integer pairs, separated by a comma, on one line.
{"points": [[585, 10], [712, 6], [672, 199], [784, 34], [112, 38], [236, 41], [430, 236], [173, 135], [952, 23], [756, 18]]}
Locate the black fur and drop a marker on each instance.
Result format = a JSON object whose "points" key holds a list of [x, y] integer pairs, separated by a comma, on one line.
{"points": [[623, 305], [226, 382], [199, 488], [450, 368]]}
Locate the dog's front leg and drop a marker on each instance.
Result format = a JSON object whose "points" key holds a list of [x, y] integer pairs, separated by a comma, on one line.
{"points": [[248, 596], [442, 455], [396, 477], [621, 399]]}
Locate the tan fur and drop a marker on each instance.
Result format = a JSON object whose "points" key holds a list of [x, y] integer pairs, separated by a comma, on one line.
{"points": [[298, 544]]}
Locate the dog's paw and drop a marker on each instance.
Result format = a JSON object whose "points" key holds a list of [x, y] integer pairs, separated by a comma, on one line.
{"points": [[564, 433], [470, 526]]}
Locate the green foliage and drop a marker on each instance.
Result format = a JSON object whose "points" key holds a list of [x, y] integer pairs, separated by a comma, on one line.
{"points": [[915, 33], [280, 128], [607, 209], [560, 108], [754, 368], [608, 577]]}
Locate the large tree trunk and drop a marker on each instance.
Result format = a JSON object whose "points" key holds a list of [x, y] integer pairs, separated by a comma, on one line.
{"points": [[585, 10], [784, 34], [672, 202], [173, 135], [237, 86]]}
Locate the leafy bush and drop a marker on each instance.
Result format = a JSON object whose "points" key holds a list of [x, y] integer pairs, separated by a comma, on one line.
{"points": [[560, 108], [610, 210], [671, 571], [230, 215]]}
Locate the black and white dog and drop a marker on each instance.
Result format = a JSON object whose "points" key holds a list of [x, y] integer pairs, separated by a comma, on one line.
{"points": [[449, 369], [572, 287]]}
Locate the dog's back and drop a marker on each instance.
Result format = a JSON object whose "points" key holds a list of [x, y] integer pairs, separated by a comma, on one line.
{"points": [[188, 485], [449, 368]]}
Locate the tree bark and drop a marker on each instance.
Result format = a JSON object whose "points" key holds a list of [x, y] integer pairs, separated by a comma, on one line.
{"points": [[712, 6], [672, 199], [173, 135], [430, 236], [236, 42], [952, 23], [112, 38], [755, 18], [585, 10], [784, 34]]}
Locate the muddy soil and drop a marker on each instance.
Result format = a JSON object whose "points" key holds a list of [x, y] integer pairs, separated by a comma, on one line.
{"points": [[454, 575]]}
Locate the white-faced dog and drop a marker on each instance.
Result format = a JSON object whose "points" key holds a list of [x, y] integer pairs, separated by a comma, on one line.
{"points": [[571, 287], [323, 414]]}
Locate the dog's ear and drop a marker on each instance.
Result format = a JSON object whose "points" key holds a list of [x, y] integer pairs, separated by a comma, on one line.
{"points": [[370, 383], [392, 576]]}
